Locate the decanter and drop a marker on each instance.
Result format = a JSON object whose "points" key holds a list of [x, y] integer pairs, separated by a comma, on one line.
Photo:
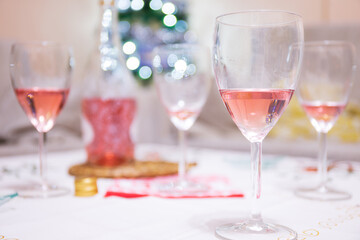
{"points": [[109, 104]]}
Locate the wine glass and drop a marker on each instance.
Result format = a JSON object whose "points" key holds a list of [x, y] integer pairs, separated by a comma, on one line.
{"points": [[40, 76], [327, 75], [181, 73], [256, 69]]}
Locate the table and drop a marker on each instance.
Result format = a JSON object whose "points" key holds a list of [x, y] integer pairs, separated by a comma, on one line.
{"points": [[96, 217]]}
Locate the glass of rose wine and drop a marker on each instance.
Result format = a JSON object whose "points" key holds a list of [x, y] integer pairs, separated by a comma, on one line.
{"points": [[40, 76], [327, 74], [256, 69], [181, 73]]}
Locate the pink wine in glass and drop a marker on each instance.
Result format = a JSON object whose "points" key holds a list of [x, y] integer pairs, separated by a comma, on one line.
{"points": [[183, 114], [110, 120], [42, 105], [183, 119], [323, 115], [255, 111]]}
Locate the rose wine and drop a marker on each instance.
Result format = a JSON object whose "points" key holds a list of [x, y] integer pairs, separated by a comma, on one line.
{"points": [[183, 114], [183, 119], [110, 120], [323, 115], [255, 111], [42, 105]]}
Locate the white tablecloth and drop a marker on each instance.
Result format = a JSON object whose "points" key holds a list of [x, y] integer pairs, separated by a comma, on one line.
{"points": [[149, 218]]}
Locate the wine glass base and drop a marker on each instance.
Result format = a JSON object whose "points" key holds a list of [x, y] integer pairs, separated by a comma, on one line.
{"points": [[322, 194], [42, 191], [182, 187], [248, 229]]}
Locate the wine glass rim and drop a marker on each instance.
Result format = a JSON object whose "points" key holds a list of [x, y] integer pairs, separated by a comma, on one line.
{"points": [[296, 18], [179, 47], [327, 43]]}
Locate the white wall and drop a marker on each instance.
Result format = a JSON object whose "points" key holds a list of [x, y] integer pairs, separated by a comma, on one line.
{"points": [[74, 21], [66, 21], [314, 12]]}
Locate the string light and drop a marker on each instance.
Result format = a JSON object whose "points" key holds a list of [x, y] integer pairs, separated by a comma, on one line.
{"points": [[173, 28]]}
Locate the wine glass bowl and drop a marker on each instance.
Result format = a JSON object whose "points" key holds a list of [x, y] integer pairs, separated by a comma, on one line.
{"points": [[40, 76], [181, 81], [181, 73], [256, 61], [42, 105], [327, 74], [256, 111]]}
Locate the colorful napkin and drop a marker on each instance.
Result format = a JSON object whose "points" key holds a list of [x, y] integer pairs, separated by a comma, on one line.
{"points": [[215, 187]]}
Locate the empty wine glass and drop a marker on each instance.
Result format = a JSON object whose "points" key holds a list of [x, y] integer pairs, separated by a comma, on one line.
{"points": [[181, 73], [327, 75], [40, 76], [256, 69]]}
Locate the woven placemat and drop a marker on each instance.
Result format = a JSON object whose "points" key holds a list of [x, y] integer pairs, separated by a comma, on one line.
{"points": [[136, 169]]}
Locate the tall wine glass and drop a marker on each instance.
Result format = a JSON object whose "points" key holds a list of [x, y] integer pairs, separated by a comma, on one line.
{"points": [[326, 78], [256, 69], [40, 76], [181, 73]]}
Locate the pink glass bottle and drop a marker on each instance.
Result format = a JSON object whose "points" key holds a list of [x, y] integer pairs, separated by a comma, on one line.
{"points": [[108, 106]]}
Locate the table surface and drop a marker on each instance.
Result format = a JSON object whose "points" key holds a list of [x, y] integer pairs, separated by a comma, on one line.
{"points": [[97, 217]]}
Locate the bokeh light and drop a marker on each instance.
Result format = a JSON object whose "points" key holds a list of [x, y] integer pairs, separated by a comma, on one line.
{"points": [[168, 8], [107, 18], [181, 26], [145, 72], [104, 37], [156, 4], [191, 69], [137, 5], [170, 20], [124, 27], [177, 74], [129, 47], [157, 61], [123, 5], [171, 60], [108, 63], [133, 63], [180, 65]]}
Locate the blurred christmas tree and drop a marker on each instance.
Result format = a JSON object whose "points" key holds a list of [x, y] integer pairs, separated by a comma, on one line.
{"points": [[144, 24]]}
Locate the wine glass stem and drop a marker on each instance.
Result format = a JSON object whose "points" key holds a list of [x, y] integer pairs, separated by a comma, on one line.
{"points": [[322, 162], [182, 163], [42, 157], [256, 155]]}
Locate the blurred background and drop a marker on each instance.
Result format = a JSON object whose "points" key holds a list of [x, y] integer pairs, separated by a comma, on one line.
{"points": [[144, 24]]}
